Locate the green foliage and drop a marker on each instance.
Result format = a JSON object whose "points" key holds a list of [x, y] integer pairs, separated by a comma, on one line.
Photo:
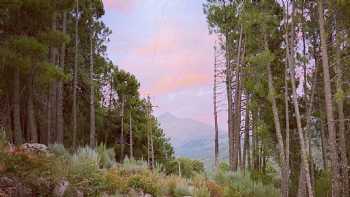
{"points": [[54, 38], [201, 192], [38, 171], [322, 185], [59, 150], [114, 182], [230, 191], [3, 139], [245, 183], [131, 166], [339, 96], [106, 156], [188, 167], [176, 186], [263, 58], [84, 172], [148, 184], [23, 52]]}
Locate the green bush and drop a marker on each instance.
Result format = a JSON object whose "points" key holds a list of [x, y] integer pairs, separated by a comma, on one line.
{"points": [[84, 172], [176, 186], [114, 182], [148, 184], [106, 156], [245, 184], [3, 139], [201, 192], [37, 171], [60, 151], [322, 185], [230, 191], [131, 166], [181, 191], [188, 167]]}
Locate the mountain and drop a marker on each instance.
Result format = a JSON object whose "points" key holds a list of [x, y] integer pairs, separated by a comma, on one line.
{"points": [[193, 139]]}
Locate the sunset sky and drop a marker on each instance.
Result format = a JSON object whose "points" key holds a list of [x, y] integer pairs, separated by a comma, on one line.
{"points": [[166, 44]]}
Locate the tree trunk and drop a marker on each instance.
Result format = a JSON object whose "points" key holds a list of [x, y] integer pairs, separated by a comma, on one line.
{"points": [[31, 123], [92, 97], [216, 140], [229, 101], [340, 109], [303, 150], [75, 80], [131, 140], [246, 153], [49, 106], [60, 119], [304, 156], [237, 124], [302, 184], [323, 145], [249, 140], [238, 97], [122, 131], [287, 154], [152, 150], [53, 87], [276, 119], [18, 136], [329, 106]]}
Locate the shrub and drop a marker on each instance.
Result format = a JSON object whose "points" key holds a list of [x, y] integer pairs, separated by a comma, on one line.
{"points": [[84, 171], [37, 171], [114, 182], [245, 184], [148, 184], [59, 150], [106, 156], [84, 160], [131, 166], [230, 191], [201, 192], [176, 186], [188, 167], [215, 189], [322, 185], [3, 139]]}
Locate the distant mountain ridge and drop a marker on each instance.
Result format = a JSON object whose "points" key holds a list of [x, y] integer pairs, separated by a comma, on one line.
{"points": [[192, 138]]}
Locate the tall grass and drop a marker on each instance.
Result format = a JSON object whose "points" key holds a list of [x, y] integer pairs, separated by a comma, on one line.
{"points": [[245, 184], [106, 156]]}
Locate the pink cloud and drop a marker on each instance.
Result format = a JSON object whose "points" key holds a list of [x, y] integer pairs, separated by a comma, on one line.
{"points": [[175, 82], [120, 5], [181, 57], [175, 57]]}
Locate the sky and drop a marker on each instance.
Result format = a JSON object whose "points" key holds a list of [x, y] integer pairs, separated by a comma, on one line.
{"points": [[166, 44]]}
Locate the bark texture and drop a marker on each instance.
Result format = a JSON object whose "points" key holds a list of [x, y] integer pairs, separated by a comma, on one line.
{"points": [[329, 105]]}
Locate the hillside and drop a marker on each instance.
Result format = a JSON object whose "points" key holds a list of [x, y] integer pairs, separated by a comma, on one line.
{"points": [[193, 139]]}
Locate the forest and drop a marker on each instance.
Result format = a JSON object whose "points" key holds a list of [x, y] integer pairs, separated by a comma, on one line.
{"points": [[285, 67], [73, 123]]}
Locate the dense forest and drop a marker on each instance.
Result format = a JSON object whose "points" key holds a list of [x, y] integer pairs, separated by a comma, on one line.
{"points": [[72, 123], [58, 85], [285, 67]]}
